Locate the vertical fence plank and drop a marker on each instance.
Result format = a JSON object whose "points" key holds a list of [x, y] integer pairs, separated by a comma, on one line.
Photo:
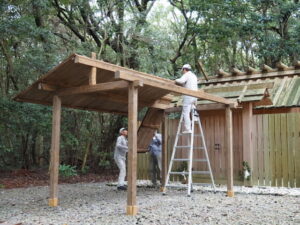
{"points": [[297, 149], [284, 149], [260, 152], [266, 150], [272, 149], [254, 151], [291, 148], [278, 153]]}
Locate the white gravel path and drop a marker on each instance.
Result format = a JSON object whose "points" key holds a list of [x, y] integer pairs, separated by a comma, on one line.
{"points": [[98, 203]]}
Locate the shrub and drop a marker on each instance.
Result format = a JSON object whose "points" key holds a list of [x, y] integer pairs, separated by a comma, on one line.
{"points": [[67, 170]]}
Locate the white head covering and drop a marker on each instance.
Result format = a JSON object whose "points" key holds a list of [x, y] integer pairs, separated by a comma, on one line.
{"points": [[122, 129], [186, 66]]}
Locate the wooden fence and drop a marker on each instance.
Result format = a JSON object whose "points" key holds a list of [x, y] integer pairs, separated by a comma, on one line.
{"points": [[276, 149]]}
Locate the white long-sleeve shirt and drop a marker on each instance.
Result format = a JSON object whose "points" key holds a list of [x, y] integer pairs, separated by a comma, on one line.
{"points": [[121, 146], [188, 80]]}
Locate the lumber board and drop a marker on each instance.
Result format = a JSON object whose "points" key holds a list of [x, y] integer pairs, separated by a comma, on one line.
{"points": [[93, 88], [170, 86]]}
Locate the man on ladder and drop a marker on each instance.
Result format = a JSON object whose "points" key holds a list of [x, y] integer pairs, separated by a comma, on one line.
{"points": [[189, 81]]}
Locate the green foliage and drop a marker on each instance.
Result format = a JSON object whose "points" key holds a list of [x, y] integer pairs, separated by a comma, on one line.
{"points": [[67, 170]]}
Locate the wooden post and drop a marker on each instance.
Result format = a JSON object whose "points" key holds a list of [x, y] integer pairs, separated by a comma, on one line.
{"points": [[229, 147], [132, 148], [54, 161], [247, 117], [93, 73], [164, 159]]}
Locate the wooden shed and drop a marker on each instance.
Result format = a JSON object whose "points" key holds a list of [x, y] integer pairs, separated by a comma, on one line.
{"points": [[266, 125], [86, 83]]}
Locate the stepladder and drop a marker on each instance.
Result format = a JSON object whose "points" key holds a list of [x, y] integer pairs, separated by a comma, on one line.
{"points": [[189, 150]]}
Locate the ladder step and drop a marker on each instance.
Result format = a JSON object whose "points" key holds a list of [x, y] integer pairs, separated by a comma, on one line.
{"points": [[194, 160], [188, 146], [195, 135], [187, 173]]}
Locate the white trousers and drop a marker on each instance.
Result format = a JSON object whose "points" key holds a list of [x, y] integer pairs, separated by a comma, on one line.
{"points": [[120, 161], [188, 103]]}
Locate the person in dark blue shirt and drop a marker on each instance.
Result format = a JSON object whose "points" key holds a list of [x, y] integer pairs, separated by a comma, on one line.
{"points": [[155, 149]]}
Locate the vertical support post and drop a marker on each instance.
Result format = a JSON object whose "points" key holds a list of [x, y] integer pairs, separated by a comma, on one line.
{"points": [[55, 142], [132, 148], [229, 147], [247, 117], [93, 73], [164, 152]]}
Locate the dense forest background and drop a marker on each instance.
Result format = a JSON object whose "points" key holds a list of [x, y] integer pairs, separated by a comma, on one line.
{"points": [[154, 36]]}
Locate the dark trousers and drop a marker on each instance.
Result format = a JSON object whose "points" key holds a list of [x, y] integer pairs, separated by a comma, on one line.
{"points": [[154, 169]]}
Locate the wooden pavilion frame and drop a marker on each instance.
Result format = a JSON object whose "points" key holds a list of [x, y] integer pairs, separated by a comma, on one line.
{"points": [[86, 83]]}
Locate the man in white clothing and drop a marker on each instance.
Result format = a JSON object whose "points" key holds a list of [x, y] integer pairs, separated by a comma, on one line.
{"points": [[120, 157], [188, 80]]}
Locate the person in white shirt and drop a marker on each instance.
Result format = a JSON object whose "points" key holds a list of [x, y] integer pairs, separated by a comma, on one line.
{"points": [[188, 80], [120, 157]]}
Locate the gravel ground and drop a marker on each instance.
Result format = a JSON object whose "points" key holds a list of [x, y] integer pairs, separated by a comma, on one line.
{"points": [[98, 203]]}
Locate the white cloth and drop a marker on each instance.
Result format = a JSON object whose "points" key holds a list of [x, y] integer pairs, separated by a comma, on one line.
{"points": [[188, 80], [120, 158]]}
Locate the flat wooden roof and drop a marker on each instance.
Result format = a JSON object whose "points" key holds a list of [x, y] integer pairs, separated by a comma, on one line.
{"points": [[71, 81]]}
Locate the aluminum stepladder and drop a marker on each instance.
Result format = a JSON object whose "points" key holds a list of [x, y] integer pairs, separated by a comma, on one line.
{"points": [[191, 148]]}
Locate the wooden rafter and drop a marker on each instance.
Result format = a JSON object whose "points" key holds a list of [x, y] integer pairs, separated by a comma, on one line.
{"points": [[176, 89], [93, 88]]}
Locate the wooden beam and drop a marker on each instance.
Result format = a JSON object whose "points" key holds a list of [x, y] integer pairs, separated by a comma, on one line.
{"points": [[296, 64], [229, 147], [47, 87], [164, 163], [94, 88], [93, 72], [251, 70], [148, 79], [174, 88], [202, 70], [247, 117], [54, 154], [274, 74], [132, 148], [276, 110], [236, 71], [222, 73], [112, 67], [266, 69], [213, 106], [282, 66]]}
